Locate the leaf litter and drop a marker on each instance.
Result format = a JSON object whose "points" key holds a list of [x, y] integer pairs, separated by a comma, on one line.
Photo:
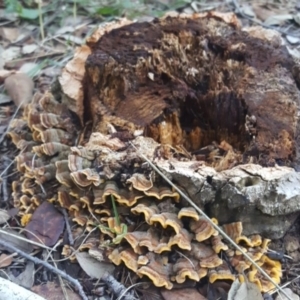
{"points": [[282, 15]]}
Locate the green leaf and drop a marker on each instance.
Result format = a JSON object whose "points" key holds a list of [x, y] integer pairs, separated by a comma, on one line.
{"points": [[28, 13], [108, 11]]}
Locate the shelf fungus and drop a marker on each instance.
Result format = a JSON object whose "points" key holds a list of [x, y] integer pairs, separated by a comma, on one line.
{"points": [[207, 102]]}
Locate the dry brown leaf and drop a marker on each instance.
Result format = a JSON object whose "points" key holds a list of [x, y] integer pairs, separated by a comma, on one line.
{"points": [[4, 216], [46, 225], [244, 291], [5, 260], [53, 291], [5, 73], [186, 294], [10, 33], [11, 237], [20, 88], [93, 267]]}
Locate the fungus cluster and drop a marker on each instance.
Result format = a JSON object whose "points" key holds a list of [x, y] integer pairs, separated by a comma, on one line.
{"points": [[81, 149], [167, 241]]}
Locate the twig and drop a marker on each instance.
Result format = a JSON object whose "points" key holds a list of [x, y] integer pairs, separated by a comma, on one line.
{"points": [[19, 237], [238, 9], [37, 56], [70, 236], [35, 260], [41, 19], [223, 233], [116, 287], [4, 179]]}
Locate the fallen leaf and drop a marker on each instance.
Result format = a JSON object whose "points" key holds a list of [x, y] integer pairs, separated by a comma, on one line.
{"points": [[263, 13], [290, 293], [5, 73], [26, 278], [53, 291], [186, 294], [13, 238], [294, 52], [278, 19], [73, 39], [292, 39], [28, 49], [244, 291], [51, 71], [10, 53], [297, 18], [30, 68], [10, 33], [248, 11], [64, 29], [5, 260], [20, 88], [4, 216], [72, 22], [46, 225], [93, 267]]}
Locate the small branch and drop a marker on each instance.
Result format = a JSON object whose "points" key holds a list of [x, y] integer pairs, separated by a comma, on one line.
{"points": [[116, 287], [70, 236], [4, 178], [35, 260]]}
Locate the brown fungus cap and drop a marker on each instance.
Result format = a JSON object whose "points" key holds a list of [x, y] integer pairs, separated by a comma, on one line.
{"points": [[182, 240], [148, 212], [157, 271], [188, 212], [221, 272], [167, 219], [162, 192], [217, 244], [188, 268], [128, 257], [203, 229], [140, 182]]}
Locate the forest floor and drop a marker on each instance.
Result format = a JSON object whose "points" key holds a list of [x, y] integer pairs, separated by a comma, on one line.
{"points": [[37, 39]]}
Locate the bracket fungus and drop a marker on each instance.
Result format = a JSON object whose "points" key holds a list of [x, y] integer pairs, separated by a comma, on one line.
{"points": [[214, 106]]}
